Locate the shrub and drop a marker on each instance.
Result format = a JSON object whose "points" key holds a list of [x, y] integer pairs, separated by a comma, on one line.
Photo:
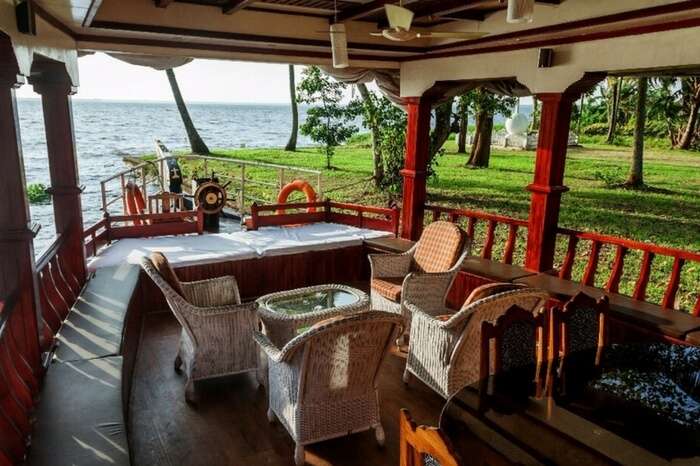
{"points": [[595, 129], [36, 192]]}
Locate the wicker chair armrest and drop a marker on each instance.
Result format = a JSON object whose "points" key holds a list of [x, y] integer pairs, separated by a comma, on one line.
{"points": [[429, 338], [218, 291], [267, 346], [391, 265], [428, 290], [214, 311]]}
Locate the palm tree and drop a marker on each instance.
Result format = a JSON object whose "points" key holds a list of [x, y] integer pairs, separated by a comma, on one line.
{"points": [[196, 142], [463, 115], [636, 176], [292, 143], [613, 107], [690, 88]]}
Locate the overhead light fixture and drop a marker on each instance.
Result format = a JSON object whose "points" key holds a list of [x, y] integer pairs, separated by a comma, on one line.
{"points": [[520, 11], [339, 46]]}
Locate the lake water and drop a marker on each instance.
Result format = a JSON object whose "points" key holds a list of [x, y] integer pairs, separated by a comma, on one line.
{"points": [[106, 131]]}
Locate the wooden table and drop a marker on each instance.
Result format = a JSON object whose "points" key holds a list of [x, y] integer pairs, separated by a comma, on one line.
{"points": [[562, 427]]}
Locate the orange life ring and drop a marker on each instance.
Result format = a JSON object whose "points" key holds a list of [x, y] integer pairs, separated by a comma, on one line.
{"points": [[135, 204], [297, 185]]}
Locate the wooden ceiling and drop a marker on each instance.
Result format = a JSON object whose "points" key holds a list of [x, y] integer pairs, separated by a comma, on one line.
{"points": [[428, 12]]}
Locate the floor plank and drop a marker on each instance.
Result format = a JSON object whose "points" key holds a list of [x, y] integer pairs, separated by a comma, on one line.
{"points": [[229, 426]]}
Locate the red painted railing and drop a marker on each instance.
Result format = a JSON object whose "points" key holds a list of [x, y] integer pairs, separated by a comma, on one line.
{"points": [[375, 218], [114, 227], [598, 243], [493, 222], [19, 386], [622, 248], [58, 291]]}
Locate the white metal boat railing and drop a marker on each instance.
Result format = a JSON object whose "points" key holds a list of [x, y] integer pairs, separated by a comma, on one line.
{"points": [[153, 175]]}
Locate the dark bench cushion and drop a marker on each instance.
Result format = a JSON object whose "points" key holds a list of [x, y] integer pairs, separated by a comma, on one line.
{"points": [[80, 419], [672, 323], [94, 326]]}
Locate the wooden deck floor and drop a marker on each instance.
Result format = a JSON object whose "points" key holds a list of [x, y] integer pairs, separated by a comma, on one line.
{"points": [[229, 426]]}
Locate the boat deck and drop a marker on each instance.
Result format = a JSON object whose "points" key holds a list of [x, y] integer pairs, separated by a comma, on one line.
{"points": [[229, 425]]}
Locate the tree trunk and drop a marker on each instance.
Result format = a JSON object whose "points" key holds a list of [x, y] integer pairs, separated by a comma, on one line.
{"points": [[690, 130], [378, 165], [463, 128], [292, 143], [481, 148], [443, 125], [196, 143], [636, 176], [613, 111], [535, 122]]}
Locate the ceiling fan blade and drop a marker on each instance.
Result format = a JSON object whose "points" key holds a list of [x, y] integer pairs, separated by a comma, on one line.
{"points": [[452, 35], [398, 16]]}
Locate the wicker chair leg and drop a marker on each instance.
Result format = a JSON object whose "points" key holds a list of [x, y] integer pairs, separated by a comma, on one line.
{"points": [[406, 376], [178, 364], [190, 392], [299, 457], [379, 435], [271, 416]]}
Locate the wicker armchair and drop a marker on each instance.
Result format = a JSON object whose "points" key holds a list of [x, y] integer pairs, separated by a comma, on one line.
{"points": [[423, 274], [322, 383], [217, 329], [444, 353]]}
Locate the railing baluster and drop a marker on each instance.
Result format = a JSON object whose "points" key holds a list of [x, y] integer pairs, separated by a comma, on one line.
{"points": [[436, 215], [471, 224], [71, 280], [592, 266], [59, 298], [674, 281], [510, 244], [12, 442], [613, 284], [453, 217], [23, 367], [640, 289], [488, 243], [696, 309], [568, 264]]}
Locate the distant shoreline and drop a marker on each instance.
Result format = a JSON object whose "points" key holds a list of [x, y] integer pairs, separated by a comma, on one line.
{"points": [[168, 102]]}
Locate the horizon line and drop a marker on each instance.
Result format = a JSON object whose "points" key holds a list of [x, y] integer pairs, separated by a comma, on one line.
{"points": [[154, 101]]}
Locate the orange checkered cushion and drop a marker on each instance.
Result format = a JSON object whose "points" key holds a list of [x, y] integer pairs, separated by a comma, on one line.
{"points": [[388, 287], [439, 247]]}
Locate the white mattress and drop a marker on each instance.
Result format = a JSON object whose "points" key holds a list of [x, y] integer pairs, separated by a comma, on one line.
{"points": [[222, 247]]}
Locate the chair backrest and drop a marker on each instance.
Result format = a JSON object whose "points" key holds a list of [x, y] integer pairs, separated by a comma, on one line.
{"points": [[439, 247], [466, 355], [579, 327], [512, 338], [342, 357], [423, 446]]}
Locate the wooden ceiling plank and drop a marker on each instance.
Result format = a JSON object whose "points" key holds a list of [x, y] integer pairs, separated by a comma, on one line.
{"points": [[232, 6], [163, 3], [360, 11]]}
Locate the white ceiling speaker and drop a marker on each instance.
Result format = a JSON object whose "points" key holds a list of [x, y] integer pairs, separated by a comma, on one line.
{"points": [[400, 20], [339, 46], [520, 11]]}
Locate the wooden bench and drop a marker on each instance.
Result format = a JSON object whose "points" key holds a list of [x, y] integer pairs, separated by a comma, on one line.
{"points": [[81, 418]]}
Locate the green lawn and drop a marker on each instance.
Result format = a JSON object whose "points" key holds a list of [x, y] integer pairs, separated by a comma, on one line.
{"points": [[668, 214]]}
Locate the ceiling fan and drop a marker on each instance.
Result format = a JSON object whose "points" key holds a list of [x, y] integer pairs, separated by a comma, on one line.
{"points": [[399, 30]]}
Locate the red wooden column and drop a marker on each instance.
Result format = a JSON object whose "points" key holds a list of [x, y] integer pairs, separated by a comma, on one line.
{"points": [[55, 87], [548, 184], [17, 268], [416, 166]]}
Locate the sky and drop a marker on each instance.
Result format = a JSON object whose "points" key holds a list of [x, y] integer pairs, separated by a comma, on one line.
{"points": [[106, 78]]}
